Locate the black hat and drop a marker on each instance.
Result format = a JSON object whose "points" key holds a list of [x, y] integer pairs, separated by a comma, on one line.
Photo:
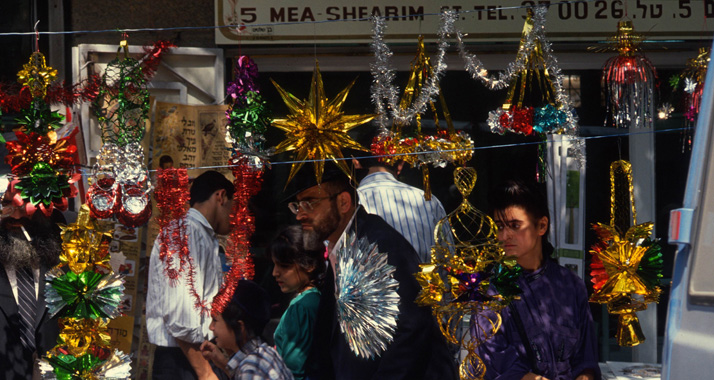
{"points": [[255, 303], [305, 178]]}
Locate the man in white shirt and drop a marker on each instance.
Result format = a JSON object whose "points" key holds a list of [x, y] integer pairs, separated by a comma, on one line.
{"points": [[401, 205], [177, 316]]}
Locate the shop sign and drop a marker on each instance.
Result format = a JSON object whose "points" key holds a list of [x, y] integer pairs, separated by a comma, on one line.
{"points": [[346, 21]]}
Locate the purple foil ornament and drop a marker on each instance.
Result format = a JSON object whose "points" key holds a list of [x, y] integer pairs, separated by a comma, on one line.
{"points": [[246, 75]]}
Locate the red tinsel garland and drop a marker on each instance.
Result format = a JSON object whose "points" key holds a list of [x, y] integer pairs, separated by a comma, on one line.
{"points": [[247, 183], [172, 197], [14, 97]]}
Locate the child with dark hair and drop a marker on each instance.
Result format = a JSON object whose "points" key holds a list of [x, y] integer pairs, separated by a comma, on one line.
{"points": [[237, 330], [298, 268], [548, 334]]}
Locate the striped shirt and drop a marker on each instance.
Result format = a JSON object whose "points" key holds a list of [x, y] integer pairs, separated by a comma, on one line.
{"points": [[404, 208], [170, 308], [258, 361]]}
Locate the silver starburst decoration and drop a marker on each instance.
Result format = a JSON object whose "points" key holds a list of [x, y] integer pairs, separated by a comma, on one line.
{"points": [[367, 299]]}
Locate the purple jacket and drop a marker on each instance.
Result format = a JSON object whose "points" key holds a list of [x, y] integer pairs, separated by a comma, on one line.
{"points": [[556, 318]]}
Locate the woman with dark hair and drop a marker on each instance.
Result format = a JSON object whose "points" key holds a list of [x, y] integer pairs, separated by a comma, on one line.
{"points": [[298, 268], [548, 333]]}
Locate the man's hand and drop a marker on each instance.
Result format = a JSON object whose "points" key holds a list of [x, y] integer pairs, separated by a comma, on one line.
{"points": [[192, 351], [214, 353]]}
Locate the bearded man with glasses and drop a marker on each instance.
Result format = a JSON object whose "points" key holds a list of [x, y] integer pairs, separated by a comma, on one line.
{"points": [[419, 351]]}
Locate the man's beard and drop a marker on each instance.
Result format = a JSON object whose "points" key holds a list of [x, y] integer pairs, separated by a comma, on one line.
{"points": [[17, 252], [321, 229]]}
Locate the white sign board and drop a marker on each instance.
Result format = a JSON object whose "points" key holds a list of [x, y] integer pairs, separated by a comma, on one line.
{"points": [[347, 21]]}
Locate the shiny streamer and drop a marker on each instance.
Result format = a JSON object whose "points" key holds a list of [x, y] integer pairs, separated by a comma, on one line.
{"points": [[626, 264], [383, 88], [469, 277], [172, 196], [247, 183], [367, 298], [629, 80], [405, 143], [535, 68]]}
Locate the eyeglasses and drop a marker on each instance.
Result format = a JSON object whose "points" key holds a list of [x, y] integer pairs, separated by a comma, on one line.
{"points": [[306, 206]]}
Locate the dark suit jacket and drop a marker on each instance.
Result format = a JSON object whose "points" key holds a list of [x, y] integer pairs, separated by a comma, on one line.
{"points": [[419, 350], [16, 361]]}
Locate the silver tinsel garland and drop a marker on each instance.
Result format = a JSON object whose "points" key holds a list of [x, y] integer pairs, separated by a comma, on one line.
{"points": [[383, 88], [367, 299]]}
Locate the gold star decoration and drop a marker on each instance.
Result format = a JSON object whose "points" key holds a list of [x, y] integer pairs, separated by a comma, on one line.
{"points": [[36, 75], [317, 127], [621, 260]]}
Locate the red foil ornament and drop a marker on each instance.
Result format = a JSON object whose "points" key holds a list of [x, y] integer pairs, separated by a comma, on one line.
{"points": [[102, 198]]}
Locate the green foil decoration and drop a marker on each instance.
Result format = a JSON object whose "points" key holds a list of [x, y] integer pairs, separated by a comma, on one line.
{"points": [[43, 185], [68, 367], [40, 118], [85, 295], [503, 278], [122, 105], [249, 119], [652, 264]]}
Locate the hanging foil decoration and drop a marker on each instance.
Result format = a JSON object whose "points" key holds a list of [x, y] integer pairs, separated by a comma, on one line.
{"points": [[628, 80], [85, 245], [367, 299], [85, 292], [249, 117], [42, 164], [385, 94], [536, 103], [469, 277], [122, 104], [120, 185], [404, 142], [95, 364], [316, 128], [626, 263], [692, 82]]}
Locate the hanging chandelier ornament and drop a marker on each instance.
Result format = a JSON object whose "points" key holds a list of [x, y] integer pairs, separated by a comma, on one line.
{"points": [[316, 128], [406, 141], [469, 277], [628, 80], [627, 263], [536, 103]]}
